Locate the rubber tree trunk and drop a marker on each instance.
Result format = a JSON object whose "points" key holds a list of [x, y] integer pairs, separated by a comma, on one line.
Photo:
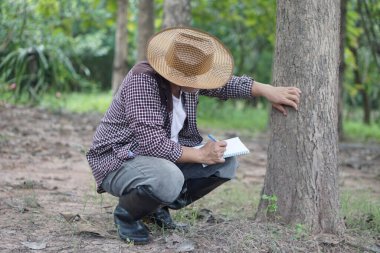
{"points": [[302, 169], [145, 26], [120, 56], [176, 13], [363, 92], [343, 12]]}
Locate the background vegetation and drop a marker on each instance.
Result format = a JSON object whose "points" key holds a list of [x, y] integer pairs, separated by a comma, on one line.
{"points": [[58, 54]]}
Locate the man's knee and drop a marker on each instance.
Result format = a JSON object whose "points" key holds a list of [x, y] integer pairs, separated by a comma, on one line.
{"points": [[168, 182], [229, 168]]}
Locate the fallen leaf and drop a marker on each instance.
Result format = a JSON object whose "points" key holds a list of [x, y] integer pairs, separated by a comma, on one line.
{"points": [[70, 217]]}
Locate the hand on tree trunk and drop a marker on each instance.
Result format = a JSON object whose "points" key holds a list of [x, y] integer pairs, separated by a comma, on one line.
{"points": [[278, 96]]}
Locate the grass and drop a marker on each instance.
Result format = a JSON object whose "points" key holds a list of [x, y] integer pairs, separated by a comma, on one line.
{"points": [[78, 102], [235, 200], [360, 132], [231, 115], [232, 200], [360, 210]]}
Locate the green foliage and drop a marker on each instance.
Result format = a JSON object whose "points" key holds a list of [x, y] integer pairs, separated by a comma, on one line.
{"points": [[362, 73], [36, 70], [271, 203], [246, 27], [356, 130], [43, 45], [300, 231]]}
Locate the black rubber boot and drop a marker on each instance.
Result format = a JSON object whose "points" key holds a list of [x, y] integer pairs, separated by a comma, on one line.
{"points": [[130, 229], [195, 189], [162, 218], [131, 208]]}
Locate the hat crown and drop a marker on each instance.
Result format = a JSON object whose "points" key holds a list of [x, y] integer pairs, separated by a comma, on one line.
{"points": [[189, 57], [190, 54]]}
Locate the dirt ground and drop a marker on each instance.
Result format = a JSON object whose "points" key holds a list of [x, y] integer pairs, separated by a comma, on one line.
{"points": [[48, 201]]}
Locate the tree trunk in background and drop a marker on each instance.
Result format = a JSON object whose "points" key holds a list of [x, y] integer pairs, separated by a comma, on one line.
{"points": [[302, 170], [362, 91], [120, 56], [343, 11], [146, 26], [176, 13]]}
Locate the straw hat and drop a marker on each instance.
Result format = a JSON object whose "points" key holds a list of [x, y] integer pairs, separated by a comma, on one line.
{"points": [[191, 58]]}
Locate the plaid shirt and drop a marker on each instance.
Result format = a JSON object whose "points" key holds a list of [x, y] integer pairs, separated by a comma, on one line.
{"points": [[138, 121]]}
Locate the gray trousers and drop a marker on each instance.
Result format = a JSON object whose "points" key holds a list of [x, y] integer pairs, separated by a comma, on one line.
{"points": [[164, 177]]}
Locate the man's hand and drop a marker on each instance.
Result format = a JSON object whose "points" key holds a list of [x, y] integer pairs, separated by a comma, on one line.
{"points": [[278, 96], [212, 152]]}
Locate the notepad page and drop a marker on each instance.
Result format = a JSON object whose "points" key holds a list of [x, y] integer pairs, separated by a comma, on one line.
{"points": [[235, 147]]}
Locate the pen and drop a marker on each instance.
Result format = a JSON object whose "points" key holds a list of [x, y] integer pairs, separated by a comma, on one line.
{"points": [[212, 138]]}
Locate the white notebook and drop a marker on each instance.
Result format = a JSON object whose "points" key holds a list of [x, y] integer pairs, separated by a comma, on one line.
{"points": [[235, 147]]}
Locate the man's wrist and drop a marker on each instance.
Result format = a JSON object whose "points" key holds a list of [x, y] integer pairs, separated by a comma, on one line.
{"points": [[259, 89]]}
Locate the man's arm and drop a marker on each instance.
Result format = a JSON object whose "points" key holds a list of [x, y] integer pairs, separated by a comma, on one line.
{"points": [[210, 153], [278, 96]]}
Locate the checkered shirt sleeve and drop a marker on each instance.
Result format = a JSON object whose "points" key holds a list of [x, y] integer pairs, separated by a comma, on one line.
{"points": [[236, 87]]}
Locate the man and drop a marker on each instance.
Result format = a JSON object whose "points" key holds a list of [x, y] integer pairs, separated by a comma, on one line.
{"points": [[143, 150]]}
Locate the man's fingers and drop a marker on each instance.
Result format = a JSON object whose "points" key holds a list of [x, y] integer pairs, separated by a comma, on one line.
{"points": [[294, 92], [294, 98], [221, 143], [292, 104], [280, 108], [295, 89]]}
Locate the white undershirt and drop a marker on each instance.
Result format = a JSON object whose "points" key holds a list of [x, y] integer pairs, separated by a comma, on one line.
{"points": [[179, 116]]}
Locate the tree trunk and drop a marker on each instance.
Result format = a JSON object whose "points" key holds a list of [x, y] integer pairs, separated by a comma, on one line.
{"points": [[302, 170], [343, 11], [366, 107], [363, 92], [120, 56], [176, 13], [146, 26]]}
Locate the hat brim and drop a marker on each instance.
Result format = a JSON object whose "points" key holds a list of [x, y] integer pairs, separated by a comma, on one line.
{"points": [[217, 76]]}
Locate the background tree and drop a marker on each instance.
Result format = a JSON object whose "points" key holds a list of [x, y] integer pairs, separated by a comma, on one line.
{"points": [[343, 13], [302, 155], [120, 57], [362, 57], [176, 13], [246, 27], [145, 26]]}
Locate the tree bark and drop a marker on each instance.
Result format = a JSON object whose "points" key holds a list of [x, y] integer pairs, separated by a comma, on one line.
{"points": [[342, 34], [120, 56], [302, 170], [146, 26], [176, 13]]}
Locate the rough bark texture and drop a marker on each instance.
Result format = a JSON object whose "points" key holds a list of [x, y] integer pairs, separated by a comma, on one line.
{"points": [[302, 168], [120, 56], [146, 26], [176, 13]]}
